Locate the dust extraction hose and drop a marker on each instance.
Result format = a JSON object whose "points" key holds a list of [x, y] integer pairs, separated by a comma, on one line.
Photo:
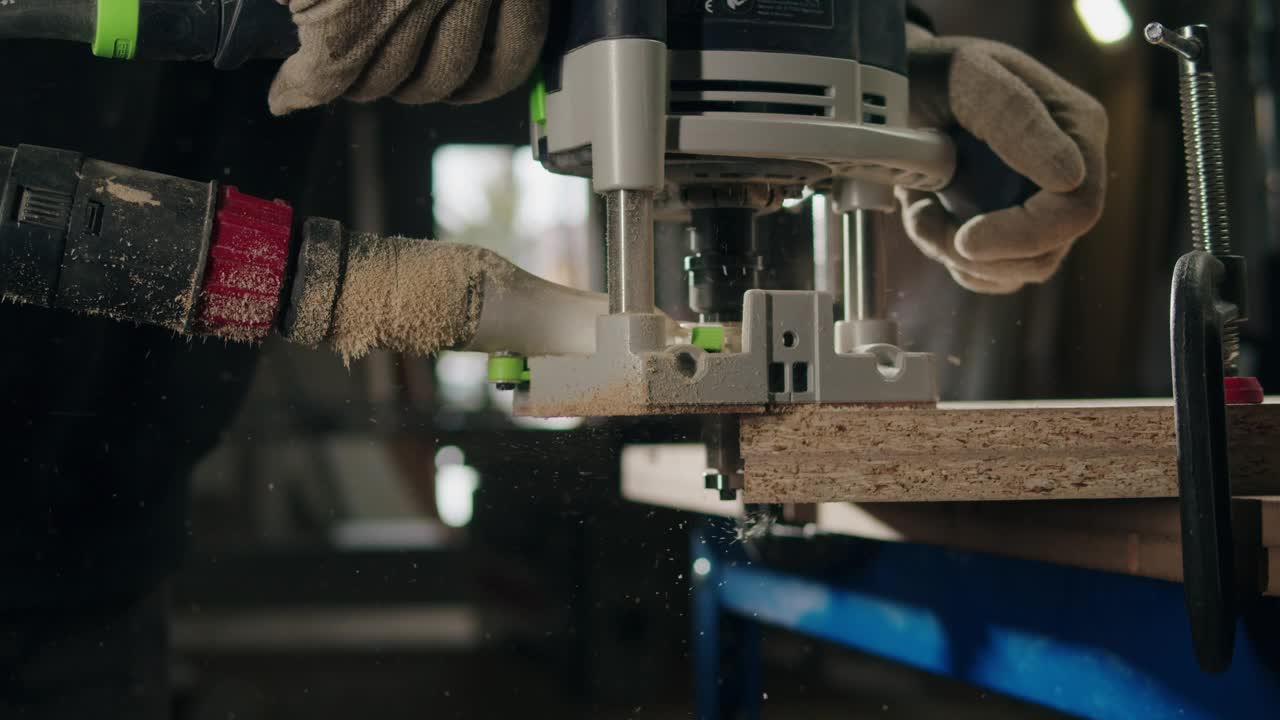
{"points": [[202, 259]]}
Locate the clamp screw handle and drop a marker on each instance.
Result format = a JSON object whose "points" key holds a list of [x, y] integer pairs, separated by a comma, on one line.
{"points": [[1206, 164], [1188, 47]]}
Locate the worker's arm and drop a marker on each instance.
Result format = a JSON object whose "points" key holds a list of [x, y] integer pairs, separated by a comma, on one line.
{"points": [[415, 51], [1040, 125]]}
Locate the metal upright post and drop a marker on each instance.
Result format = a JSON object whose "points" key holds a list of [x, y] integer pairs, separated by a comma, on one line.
{"points": [[629, 234]]}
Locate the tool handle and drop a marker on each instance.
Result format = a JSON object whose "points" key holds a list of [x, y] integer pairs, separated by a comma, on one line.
{"points": [[228, 32], [982, 182], [254, 29], [48, 20]]}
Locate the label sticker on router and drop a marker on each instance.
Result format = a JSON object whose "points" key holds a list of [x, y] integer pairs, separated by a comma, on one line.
{"points": [[813, 13]]}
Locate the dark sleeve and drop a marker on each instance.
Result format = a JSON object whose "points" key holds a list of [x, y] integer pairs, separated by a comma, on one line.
{"points": [[919, 17], [101, 422]]}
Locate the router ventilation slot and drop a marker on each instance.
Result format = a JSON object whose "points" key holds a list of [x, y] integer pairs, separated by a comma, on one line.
{"points": [[693, 97], [747, 86], [874, 106], [46, 208]]}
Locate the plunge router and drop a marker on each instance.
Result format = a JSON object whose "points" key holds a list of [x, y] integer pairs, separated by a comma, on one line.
{"points": [[719, 111], [723, 110]]}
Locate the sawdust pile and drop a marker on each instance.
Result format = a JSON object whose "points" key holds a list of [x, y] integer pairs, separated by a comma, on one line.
{"points": [[412, 296]]}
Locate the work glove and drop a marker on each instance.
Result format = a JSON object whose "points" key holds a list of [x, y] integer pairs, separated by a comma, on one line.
{"points": [[1041, 126], [415, 51]]}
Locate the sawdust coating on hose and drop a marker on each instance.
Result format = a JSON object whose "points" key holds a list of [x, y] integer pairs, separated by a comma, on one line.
{"points": [[319, 281], [129, 194], [412, 296], [244, 319]]}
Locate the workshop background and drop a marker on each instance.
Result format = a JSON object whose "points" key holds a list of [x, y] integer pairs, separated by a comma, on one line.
{"points": [[385, 539]]}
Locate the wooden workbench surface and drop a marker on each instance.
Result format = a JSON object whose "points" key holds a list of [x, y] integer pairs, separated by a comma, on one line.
{"points": [[1133, 537], [990, 451]]}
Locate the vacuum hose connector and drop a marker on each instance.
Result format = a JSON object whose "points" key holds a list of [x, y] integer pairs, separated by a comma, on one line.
{"points": [[102, 239]]}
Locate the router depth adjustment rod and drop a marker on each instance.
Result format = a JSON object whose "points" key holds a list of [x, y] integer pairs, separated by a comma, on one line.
{"points": [[865, 323], [603, 93], [630, 240], [864, 290]]}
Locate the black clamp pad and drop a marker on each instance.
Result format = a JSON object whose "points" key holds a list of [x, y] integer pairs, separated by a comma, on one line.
{"points": [[1199, 313]]}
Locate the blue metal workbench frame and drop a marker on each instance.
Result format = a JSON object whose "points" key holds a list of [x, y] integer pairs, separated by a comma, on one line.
{"points": [[1087, 643]]}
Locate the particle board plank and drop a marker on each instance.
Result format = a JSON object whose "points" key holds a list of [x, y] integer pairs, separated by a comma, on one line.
{"points": [[1134, 537], [1013, 451]]}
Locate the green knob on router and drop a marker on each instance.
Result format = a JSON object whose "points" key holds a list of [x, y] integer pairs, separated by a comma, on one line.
{"points": [[116, 33], [508, 370], [538, 100], [709, 338]]}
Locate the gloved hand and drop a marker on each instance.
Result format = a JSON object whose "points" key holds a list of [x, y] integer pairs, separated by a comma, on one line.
{"points": [[1041, 126], [415, 51]]}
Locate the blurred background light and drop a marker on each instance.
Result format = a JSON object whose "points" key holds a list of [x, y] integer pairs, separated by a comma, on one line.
{"points": [[456, 486], [1107, 21]]}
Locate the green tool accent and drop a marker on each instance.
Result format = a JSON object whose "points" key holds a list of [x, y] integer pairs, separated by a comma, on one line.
{"points": [[116, 35], [508, 369], [538, 100], [709, 338]]}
